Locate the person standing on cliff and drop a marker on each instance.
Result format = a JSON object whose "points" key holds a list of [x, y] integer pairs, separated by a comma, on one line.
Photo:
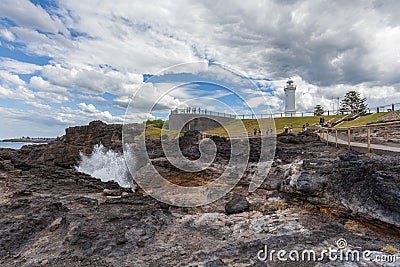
{"points": [[322, 121], [255, 132], [307, 127], [319, 128], [286, 129]]}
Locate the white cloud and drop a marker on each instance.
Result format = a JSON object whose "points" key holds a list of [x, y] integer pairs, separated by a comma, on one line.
{"points": [[95, 98], [50, 97], [38, 105], [38, 18], [91, 79], [37, 82], [18, 66], [108, 48], [6, 34], [11, 78], [87, 108], [30, 122], [90, 111], [147, 98], [17, 92]]}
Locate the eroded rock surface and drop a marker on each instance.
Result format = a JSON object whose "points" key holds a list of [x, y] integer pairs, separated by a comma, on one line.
{"points": [[364, 187], [51, 215]]}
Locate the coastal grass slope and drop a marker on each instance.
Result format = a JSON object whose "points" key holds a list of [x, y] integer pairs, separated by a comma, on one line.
{"points": [[363, 120], [235, 129]]}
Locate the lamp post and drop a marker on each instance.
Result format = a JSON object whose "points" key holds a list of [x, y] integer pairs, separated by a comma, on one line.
{"points": [[338, 104]]}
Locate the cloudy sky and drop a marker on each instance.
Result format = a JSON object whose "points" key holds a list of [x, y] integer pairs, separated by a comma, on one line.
{"points": [[66, 63]]}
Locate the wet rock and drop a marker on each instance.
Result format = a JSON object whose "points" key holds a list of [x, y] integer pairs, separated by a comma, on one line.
{"points": [[56, 224], [348, 155], [51, 212], [64, 150], [215, 263], [290, 139], [114, 192], [237, 204], [367, 188]]}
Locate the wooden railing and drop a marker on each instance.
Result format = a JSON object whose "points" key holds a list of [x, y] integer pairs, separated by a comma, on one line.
{"points": [[326, 134]]}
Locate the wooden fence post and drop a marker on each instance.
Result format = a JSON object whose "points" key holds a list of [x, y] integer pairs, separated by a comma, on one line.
{"points": [[336, 136], [327, 137], [348, 138], [369, 139]]}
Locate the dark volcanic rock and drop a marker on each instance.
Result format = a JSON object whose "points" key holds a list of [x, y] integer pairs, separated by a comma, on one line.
{"points": [[367, 187], [60, 215], [290, 138], [348, 155], [189, 145], [64, 151], [51, 215], [237, 204]]}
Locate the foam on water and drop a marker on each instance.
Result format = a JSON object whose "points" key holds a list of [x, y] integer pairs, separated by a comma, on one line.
{"points": [[106, 165]]}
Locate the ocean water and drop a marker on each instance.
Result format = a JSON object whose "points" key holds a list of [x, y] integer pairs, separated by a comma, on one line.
{"points": [[16, 145], [106, 165]]}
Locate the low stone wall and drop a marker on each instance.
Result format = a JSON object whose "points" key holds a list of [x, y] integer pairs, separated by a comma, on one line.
{"points": [[197, 122]]}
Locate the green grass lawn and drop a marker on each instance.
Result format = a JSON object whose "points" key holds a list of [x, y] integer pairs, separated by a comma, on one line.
{"points": [[235, 128], [363, 120], [155, 133], [298, 122]]}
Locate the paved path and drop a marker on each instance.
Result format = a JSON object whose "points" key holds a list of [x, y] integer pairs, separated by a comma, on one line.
{"points": [[362, 147]]}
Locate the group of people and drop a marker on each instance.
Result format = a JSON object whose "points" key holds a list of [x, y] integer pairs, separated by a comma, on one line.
{"points": [[322, 124], [306, 127], [192, 110], [288, 130], [268, 132]]}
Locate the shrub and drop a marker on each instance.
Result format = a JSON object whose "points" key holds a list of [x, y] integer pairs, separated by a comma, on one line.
{"points": [[390, 249], [277, 205]]}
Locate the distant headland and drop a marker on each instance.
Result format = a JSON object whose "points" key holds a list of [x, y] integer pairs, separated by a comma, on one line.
{"points": [[30, 139]]}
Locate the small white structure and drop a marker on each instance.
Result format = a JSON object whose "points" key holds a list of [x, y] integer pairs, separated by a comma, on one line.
{"points": [[290, 99]]}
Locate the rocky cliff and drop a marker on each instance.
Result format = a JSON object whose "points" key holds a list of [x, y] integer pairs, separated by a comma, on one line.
{"points": [[64, 150], [53, 215], [362, 187]]}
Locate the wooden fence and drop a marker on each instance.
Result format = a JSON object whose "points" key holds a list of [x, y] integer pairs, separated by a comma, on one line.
{"points": [[332, 135]]}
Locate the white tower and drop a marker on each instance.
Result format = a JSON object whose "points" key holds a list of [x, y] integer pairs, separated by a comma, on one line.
{"points": [[290, 100]]}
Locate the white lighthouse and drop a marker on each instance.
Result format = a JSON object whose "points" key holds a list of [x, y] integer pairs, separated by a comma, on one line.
{"points": [[290, 99]]}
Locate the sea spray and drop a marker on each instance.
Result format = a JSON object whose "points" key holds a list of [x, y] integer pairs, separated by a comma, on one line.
{"points": [[106, 165]]}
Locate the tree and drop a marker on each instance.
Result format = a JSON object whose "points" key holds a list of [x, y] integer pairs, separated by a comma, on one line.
{"points": [[319, 110], [155, 123], [353, 102]]}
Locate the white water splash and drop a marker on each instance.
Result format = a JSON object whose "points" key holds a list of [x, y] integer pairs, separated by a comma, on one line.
{"points": [[106, 165]]}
